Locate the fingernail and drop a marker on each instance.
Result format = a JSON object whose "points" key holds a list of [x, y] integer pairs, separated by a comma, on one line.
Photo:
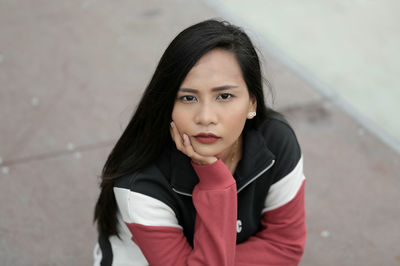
{"points": [[172, 124], [185, 137]]}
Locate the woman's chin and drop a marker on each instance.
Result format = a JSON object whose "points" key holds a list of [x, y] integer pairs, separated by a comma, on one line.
{"points": [[205, 151]]}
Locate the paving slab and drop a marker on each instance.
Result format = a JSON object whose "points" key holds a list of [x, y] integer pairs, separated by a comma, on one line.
{"points": [[47, 207], [352, 189]]}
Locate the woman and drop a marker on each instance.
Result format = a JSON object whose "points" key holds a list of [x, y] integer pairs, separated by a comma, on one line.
{"points": [[204, 173]]}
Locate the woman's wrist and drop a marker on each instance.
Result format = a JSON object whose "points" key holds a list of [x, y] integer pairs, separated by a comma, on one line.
{"points": [[207, 161], [212, 176]]}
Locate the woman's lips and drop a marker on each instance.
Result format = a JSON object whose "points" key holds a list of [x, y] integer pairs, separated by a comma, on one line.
{"points": [[206, 138]]}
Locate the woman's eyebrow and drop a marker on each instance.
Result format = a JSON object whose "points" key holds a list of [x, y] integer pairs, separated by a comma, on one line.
{"points": [[188, 90], [220, 88], [223, 88]]}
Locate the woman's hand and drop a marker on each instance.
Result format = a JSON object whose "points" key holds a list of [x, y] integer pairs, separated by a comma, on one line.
{"points": [[183, 144]]}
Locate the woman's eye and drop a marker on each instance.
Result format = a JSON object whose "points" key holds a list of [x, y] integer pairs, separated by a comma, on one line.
{"points": [[188, 98], [224, 96]]}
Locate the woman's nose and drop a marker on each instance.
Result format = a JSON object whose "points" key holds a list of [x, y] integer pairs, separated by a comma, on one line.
{"points": [[206, 115]]}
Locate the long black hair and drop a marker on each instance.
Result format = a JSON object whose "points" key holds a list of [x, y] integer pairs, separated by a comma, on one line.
{"points": [[147, 133]]}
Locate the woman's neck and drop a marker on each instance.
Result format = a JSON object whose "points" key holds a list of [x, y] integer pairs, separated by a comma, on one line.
{"points": [[233, 157]]}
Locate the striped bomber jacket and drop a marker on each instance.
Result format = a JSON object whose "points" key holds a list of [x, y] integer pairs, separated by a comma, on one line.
{"points": [[175, 212]]}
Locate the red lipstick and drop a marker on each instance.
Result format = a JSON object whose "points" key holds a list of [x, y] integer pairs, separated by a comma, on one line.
{"points": [[206, 138]]}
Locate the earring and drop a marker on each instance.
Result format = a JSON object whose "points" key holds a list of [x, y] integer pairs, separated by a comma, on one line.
{"points": [[251, 115]]}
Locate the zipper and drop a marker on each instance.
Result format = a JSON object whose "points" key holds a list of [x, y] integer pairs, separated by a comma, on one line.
{"points": [[254, 178], [182, 193], [240, 189]]}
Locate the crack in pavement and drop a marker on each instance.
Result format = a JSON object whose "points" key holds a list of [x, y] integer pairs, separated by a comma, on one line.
{"points": [[53, 154]]}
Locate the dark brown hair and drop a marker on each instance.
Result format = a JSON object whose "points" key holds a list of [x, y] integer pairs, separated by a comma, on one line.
{"points": [[147, 133]]}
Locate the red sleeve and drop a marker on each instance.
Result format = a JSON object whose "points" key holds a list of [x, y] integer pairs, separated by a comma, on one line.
{"points": [[214, 243], [282, 239]]}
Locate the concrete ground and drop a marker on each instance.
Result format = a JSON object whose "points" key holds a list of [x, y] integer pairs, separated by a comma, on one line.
{"points": [[70, 75]]}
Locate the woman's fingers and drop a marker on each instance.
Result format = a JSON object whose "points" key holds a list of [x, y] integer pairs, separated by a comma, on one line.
{"points": [[184, 145], [196, 158], [188, 146], [176, 137]]}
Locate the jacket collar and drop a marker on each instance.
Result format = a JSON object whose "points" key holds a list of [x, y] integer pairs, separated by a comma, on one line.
{"points": [[256, 159]]}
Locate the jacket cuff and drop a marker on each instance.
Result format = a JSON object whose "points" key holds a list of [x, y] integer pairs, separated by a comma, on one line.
{"points": [[214, 176]]}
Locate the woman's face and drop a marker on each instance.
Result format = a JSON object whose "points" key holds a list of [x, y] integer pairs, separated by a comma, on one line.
{"points": [[213, 103]]}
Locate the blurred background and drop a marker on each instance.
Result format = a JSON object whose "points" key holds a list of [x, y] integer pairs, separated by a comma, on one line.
{"points": [[348, 50], [71, 73]]}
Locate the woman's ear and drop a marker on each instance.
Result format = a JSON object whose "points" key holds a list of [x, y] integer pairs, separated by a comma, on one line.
{"points": [[252, 107], [253, 103]]}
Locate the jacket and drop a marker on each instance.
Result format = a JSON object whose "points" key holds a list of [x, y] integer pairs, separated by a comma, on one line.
{"points": [[175, 212]]}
